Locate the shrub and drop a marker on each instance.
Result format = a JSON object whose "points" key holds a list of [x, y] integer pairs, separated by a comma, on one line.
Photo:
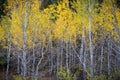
{"points": [[115, 75], [66, 74], [101, 77], [17, 77]]}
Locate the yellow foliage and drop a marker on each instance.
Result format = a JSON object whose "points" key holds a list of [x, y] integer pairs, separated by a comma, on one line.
{"points": [[118, 16], [1, 33], [59, 21]]}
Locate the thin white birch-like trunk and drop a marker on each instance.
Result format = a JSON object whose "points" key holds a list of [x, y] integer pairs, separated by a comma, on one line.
{"points": [[8, 56], [84, 54], [101, 59], [18, 63], [33, 62], [90, 39], [58, 59], [61, 52], [51, 54], [39, 62], [67, 65], [108, 59], [81, 53], [24, 62]]}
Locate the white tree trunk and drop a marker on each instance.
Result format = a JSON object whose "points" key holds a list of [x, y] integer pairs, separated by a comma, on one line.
{"points": [[37, 68], [25, 43], [58, 50], [18, 63], [90, 40], [101, 60], [108, 58], [84, 54], [67, 65], [33, 63], [8, 56]]}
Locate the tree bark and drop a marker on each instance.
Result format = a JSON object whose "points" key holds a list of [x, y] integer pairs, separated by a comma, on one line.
{"points": [[84, 54], [90, 40], [8, 56], [33, 63], [101, 60], [37, 68], [25, 43], [108, 59], [67, 65], [18, 63]]}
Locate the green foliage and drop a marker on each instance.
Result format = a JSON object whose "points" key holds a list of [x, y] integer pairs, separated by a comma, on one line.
{"points": [[17, 77], [80, 73], [2, 62], [115, 75], [101, 77], [66, 74]]}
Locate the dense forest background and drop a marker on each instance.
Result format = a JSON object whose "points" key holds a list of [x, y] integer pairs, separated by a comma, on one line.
{"points": [[59, 39]]}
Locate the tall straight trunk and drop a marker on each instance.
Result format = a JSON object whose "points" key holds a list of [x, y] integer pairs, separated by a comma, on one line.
{"points": [[70, 55], [21, 67], [33, 63], [108, 59], [101, 60], [67, 65], [18, 63], [58, 58], [25, 42], [116, 63], [61, 52], [24, 57], [8, 56], [81, 53], [90, 40], [84, 65], [91, 51], [84, 54], [51, 51]]}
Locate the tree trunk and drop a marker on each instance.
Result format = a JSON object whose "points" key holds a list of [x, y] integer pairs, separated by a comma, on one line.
{"points": [[25, 43], [67, 65], [108, 59], [37, 68], [101, 60], [51, 51], [18, 63], [61, 52], [8, 56], [84, 54], [58, 59], [90, 40], [33, 63], [81, 53]]}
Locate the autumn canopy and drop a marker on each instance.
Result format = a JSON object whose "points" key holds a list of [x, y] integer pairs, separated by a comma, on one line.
{"points": [[61, 39]]}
